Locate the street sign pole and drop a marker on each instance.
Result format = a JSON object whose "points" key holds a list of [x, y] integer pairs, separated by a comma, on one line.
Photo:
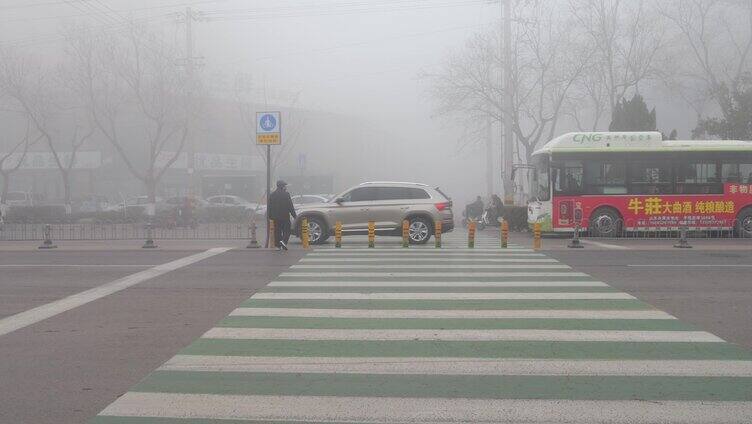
{"points": [[268, 189], [268, 132]]}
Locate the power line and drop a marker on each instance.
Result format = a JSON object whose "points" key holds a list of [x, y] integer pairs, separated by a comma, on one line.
{"points": [[310, 11], [117, 11]]}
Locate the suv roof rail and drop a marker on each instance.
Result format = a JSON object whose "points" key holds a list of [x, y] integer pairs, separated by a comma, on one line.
{"points": [[393, 182]]}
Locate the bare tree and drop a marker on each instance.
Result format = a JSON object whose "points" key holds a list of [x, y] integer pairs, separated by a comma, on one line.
{"points": [[54, 112], [12, 160], [547, 61], [137, 97], [716, 45], [628, 43]]}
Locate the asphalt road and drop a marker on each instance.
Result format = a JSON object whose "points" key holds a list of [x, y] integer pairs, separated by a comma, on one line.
{"points": [[69, 367], [711, 289]]}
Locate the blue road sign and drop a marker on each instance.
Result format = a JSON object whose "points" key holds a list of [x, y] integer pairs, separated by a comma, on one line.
{"points": [[268, 122]]}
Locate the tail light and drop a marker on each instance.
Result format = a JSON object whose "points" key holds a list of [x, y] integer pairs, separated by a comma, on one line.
{"points": [[443, 205]]}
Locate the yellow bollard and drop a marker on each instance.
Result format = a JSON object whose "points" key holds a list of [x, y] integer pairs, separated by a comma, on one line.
{"points": [[405, 233], [504, 234], [471, 235], [338, 234], [304, 233], [371, 234], [272, 243], [437, 235], [536, 236]]}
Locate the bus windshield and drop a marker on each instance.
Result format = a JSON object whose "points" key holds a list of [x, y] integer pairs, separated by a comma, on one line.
{"points": [[541, 179]]}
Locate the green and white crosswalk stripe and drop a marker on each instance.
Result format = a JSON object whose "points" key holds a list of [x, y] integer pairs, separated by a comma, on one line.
{"points": [[450, 335]]}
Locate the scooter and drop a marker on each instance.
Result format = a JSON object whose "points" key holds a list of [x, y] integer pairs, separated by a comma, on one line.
{"points": [[480, 223]]}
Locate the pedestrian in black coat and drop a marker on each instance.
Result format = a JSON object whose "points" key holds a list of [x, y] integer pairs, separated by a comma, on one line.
{"points": [[280, 209]]}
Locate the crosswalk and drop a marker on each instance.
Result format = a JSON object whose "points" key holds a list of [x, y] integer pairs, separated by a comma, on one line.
{"points": [[424, 335]]}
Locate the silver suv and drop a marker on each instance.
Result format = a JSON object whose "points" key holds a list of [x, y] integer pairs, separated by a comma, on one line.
{"points": [[385, 203]]}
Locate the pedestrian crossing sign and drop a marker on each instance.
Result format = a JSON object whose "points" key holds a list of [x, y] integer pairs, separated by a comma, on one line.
{"points": [[268, 128]]}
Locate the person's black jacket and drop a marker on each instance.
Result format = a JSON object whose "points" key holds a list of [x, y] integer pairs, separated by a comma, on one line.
{"points": [[280, 205]]}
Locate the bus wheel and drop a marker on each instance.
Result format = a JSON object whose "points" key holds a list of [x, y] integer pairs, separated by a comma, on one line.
{"points": [[605, 222], [744, 223]]}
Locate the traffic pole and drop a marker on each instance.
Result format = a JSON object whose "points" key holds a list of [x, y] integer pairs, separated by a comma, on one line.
{"points": [[149, 243], [575, 242], [683, 242], [371, 234], [504, 234], [304, 233], [405, 233], [437, 235], [253, 243], [338, 234], [270, 235], [536, 236], [471, 235], [47, 243]]}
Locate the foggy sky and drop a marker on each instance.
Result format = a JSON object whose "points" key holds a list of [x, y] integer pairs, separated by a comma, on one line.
{"points": [[364, 63]]}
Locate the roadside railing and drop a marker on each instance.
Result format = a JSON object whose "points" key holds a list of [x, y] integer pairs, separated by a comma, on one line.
{"points": [[637, 230], [124, 231]]}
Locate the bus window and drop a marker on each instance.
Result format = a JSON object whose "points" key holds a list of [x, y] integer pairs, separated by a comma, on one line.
{"points": [[605, 177], [650, 178], [730, 173], [566, 177], [541, 179], [698, 178], [745, 171]]}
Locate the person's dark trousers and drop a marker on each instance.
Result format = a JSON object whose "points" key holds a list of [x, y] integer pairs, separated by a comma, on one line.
{"points": [[281, 231]]}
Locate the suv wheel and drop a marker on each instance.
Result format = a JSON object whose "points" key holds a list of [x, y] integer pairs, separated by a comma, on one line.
{"points": [[419, 231], [317, 231]]}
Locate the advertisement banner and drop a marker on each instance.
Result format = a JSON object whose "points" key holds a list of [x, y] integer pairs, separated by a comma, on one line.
{"points": [[659, 210]]}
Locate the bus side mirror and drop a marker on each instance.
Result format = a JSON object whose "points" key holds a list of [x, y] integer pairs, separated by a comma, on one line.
{"points": [[514, 174]]}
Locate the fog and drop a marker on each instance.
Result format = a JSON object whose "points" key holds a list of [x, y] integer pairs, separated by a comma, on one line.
{"points": [[362, 86]]}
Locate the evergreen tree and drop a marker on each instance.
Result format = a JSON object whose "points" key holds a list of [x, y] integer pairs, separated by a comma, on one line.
{"points": [[736, 123], [633, 115]]}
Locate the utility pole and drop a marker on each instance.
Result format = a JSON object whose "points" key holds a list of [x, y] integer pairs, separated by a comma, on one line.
{"points": [[489, 159], [190, 68], [507, 149]]}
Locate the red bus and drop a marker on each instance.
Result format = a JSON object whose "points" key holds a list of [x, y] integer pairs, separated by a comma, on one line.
{"points": [[612, 183]]}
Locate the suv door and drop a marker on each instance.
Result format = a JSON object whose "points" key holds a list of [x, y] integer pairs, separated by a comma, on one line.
{"points": [[354, 211], [396, 202]]}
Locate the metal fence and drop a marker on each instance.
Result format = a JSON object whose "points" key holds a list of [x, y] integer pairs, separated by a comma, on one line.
{"points": [[129, 231], [636, 230]]}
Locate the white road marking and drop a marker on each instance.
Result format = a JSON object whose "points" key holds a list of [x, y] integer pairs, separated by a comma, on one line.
{"points": [[432, 267], [73, 266], [442, 296], [433, 410], [690, 266], [426, 251], [604, 245], [449, 260], [437, 284], [457, 366], [449, 313], [461, 335], [432, 274], [40, 313]]}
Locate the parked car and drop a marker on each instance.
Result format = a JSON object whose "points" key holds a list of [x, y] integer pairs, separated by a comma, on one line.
{"points": [[178, 201], [91, 203], [139, 203], [228, 201], [385, 203], [21, 198]]}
